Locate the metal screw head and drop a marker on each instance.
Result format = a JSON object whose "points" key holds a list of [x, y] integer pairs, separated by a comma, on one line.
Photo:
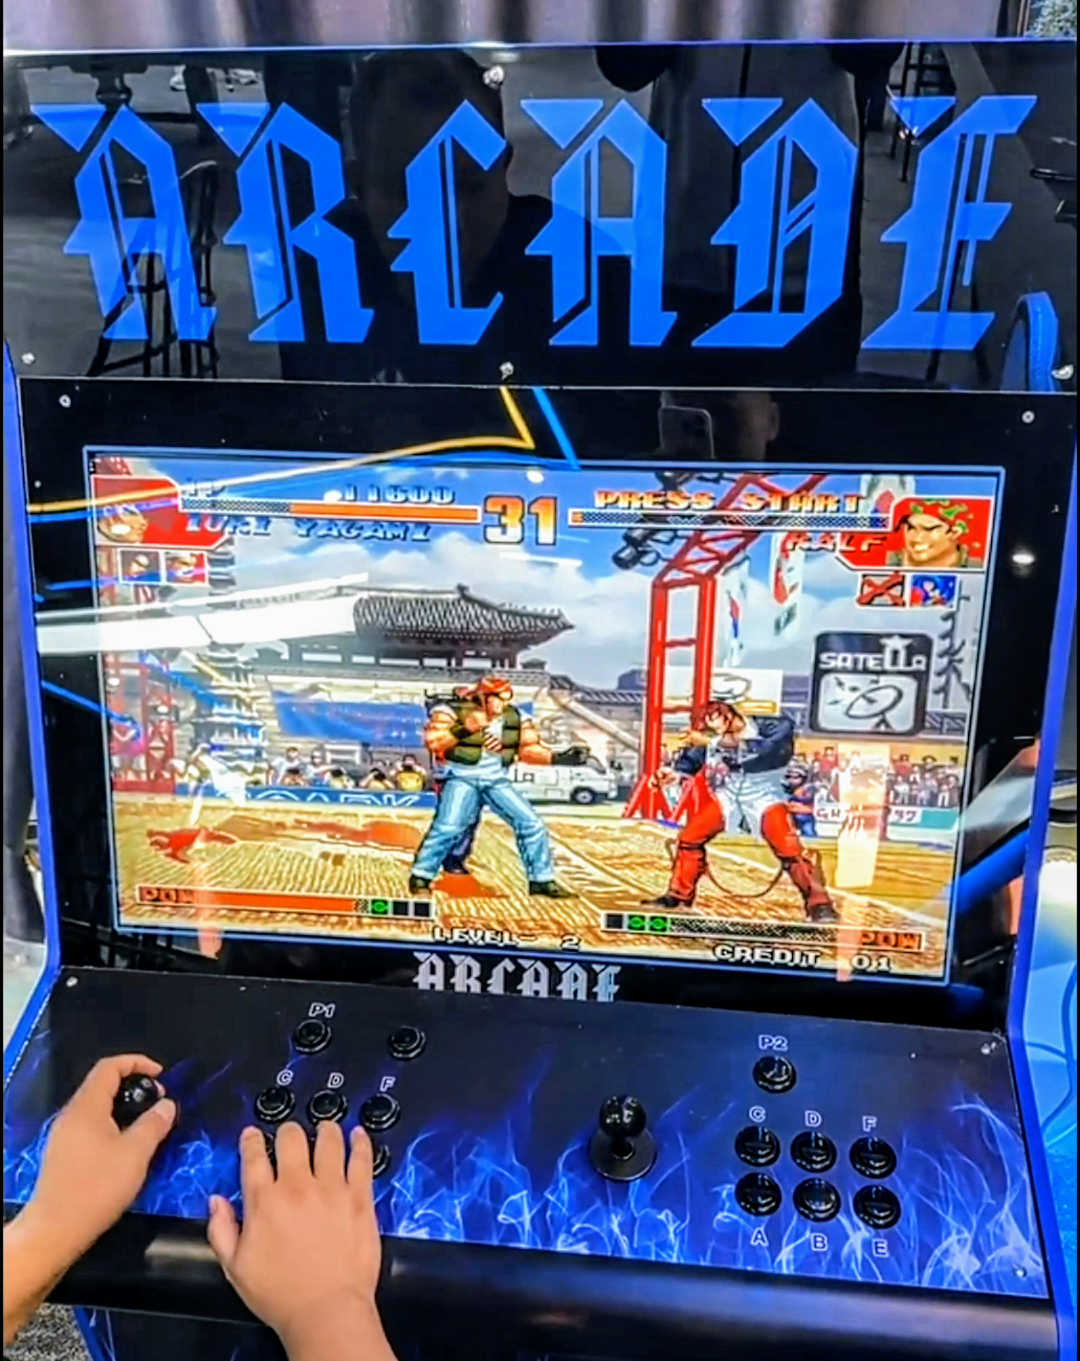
{"points": [[494, 76], [1027, 417], [29, 359], [1064, 373], [65, 401], [986, 1048], [72, 983], [506, 370]]}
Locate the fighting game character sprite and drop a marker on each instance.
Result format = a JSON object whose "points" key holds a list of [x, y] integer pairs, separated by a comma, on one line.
{"points": [[802, 796], [933, 533], [456, 860], [743, 762], [475, 736]]}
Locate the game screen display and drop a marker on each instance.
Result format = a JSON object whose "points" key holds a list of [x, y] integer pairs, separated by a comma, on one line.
{"points": [[707, 715]]}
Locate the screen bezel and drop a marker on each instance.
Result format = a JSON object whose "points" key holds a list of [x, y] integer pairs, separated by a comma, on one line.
{"points": [[964, 432]]}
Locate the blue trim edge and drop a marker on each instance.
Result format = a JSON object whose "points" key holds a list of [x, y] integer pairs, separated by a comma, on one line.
{"points": [[562, 439], [1056, 685], [16, 489]]}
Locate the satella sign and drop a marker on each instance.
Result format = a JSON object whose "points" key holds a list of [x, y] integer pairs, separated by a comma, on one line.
{"points": [[949, 215]]}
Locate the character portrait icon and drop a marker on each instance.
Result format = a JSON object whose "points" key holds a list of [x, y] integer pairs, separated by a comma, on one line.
{"points": [[933, 532]]}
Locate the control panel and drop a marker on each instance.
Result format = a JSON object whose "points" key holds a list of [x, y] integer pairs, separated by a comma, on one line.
{"points": [[815, 1148]]}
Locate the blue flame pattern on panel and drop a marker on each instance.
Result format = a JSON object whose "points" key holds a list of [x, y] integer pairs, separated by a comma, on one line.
{"points": [[968, 1219]]}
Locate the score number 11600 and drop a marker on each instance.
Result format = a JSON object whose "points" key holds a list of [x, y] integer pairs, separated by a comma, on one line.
{"points": [[510, 515]]}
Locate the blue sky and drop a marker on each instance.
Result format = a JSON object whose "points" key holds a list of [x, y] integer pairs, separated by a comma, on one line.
{"points": [[608, 607]]}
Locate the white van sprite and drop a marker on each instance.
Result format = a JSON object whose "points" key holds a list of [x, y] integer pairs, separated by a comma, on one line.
{"points": [[583, 785]]}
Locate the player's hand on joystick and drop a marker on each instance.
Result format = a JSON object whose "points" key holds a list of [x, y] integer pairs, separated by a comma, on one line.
{"points": [[622, 1149], [96, 1159]]}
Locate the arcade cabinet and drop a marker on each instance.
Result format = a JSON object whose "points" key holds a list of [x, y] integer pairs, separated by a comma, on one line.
{"points": [[573, 712], [715, 1059]]}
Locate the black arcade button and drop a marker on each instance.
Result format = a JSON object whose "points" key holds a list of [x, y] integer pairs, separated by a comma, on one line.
{"points": [[872, 1157], [379, 1112], [877, 1206], [758, 1194], [757, 1146], [774, 1074], [817, 1199], [326, 1105], [274, 1104], [813, 1151], [311, 1037], [407, 1042], [380, 1160]]}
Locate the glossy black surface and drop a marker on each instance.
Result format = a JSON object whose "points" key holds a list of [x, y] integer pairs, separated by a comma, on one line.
{"points": [[817, 1200], [758, 1194], [813, 1151], [274, 1104], [379, 1113], [311, 1037], [872, 1157], [757, 1146], [137, 1094], [407, 1042], [327, 1105], [877, 1206], [774, 1074]]}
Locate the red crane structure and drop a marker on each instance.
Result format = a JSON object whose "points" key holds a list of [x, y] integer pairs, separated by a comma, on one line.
{"points": [[147, 764], [697, 566]]}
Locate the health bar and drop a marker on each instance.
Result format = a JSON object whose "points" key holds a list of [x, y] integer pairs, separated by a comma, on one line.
{"points": [[379, 510], [614, 518], [332, 510], [169, 895]]}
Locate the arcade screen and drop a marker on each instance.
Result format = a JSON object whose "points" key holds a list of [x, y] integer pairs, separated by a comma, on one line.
{"points": [[698, 716]]}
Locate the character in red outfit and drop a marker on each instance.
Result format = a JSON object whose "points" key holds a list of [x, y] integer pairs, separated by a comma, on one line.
{"points": [[743, 764]]}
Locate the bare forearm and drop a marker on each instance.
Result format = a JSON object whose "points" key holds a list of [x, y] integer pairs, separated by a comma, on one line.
{"points": [[33, 1265], [346, 1330], [536, 754]]}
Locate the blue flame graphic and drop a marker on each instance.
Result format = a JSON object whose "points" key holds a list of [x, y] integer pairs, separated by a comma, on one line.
{"points": [[968, 1221]]}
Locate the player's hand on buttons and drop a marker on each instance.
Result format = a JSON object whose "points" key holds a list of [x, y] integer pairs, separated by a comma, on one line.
{"points": [[308, 1252], [92, 1170]]}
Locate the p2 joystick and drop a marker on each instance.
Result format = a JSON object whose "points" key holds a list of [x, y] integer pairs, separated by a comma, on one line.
{"points": [[622, 1148]]}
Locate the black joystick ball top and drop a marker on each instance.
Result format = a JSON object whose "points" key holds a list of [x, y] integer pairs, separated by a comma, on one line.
{"points": [[622, 1149], [137, 1094], [622, 1119]]}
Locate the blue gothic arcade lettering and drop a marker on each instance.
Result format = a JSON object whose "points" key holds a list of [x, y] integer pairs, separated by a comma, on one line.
{"points": [[950, 216]]}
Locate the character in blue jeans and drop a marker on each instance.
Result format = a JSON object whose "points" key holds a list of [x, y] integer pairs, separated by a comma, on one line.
{"points": [[476, 736]]}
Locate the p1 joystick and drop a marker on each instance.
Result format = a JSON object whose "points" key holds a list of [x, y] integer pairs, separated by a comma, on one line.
{"points": [[137, 1094], [622, 1149]]}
